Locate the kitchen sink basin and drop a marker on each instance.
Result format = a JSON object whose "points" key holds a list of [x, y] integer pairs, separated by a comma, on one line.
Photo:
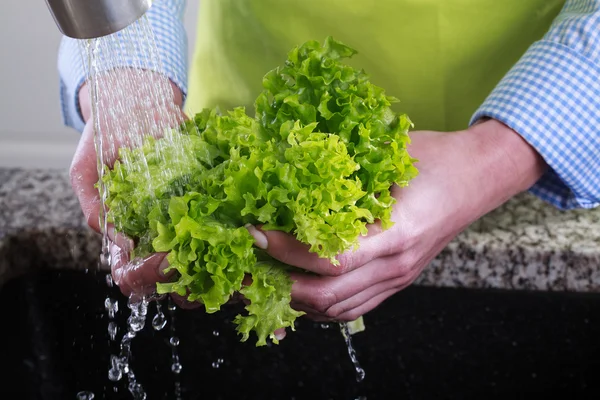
{"points": [[423, 343]]}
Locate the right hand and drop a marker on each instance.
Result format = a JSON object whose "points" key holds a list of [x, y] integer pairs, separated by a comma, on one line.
{"points": [[84, 175]]}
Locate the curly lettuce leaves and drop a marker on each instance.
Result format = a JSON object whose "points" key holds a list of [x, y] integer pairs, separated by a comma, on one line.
{"points": [[317, 160], [269, 309]]}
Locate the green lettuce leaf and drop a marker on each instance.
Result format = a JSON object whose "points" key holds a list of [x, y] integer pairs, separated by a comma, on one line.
{"points": [[317, 160]]}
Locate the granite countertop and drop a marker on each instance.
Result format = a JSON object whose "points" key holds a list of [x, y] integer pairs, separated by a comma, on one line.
{"points": [[525, 244]]}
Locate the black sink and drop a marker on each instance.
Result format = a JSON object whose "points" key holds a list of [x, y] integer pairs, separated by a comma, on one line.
{"points": [[424, 343]]}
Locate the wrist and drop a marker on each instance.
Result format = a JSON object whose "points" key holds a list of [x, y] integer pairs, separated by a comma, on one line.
{"points": [[509, 165]]}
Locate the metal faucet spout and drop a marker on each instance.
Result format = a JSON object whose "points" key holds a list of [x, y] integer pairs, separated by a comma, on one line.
{"points": [[87, 19]]}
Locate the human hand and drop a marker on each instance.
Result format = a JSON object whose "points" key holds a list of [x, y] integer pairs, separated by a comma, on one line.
{"points": [[463, 175], [84, 166]]}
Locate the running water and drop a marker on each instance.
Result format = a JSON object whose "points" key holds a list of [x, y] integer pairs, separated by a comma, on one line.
{"points": [[120, 365], [360, 373], [130, 101], [174, 343]]}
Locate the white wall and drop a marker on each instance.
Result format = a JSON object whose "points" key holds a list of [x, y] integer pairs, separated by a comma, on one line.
{"points": [[31, 131]]}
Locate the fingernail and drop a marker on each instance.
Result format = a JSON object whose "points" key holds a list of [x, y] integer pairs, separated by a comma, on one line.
{"points": [[280, 334], [260, 239], [164, 264]]}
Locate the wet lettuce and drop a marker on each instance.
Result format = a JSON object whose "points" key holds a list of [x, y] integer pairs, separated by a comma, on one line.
{"points": [[317, 160]]}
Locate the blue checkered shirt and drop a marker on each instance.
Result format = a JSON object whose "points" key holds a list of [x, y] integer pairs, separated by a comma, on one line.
{"points": [[551, 96]]}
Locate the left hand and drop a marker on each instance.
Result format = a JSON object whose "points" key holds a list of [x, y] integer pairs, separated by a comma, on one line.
{"points": [[463, 175]]}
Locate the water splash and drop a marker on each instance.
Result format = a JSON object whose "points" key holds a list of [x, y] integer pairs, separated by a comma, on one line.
{"points": [[112, 330], [360, 373], [129, 101], [85, 395], [159, 321], [120, 365], [111, 306], [109, 280]]}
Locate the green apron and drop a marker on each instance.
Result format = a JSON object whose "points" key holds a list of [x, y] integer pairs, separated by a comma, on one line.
{"points": [[441, 58]]}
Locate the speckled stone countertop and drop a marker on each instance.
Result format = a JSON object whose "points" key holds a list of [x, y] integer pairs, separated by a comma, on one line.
{"points": [[525, 244]]}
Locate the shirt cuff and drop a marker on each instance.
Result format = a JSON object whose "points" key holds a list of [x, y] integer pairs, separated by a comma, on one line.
{"points": [[550, 97], [171, 43]]}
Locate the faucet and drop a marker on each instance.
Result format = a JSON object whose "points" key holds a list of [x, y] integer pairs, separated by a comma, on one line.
{"points": [[88, 19]]}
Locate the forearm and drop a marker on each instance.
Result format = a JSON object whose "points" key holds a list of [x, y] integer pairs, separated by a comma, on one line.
{"points": [[505, 163], [550, 97]]}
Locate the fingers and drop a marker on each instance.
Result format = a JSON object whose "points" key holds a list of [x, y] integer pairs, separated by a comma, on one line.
{"points": [[350, 306], [320, 293], [138, 277], [367, 306], [120, 239], [286, 248], [84, 175], [280, 333], [119, 258]]}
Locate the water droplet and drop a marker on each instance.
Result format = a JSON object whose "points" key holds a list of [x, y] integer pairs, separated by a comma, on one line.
{"points": [[111, 306], [136, 323], [220, 361], [138, 307], [216, 365], [112, 330], [174, 341], [159, 321], [137, 391], [215, 333], [85, 395], [109, 280], [324, 325], [105, 258], [172, 306], [115, 374], [176, 368]]}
